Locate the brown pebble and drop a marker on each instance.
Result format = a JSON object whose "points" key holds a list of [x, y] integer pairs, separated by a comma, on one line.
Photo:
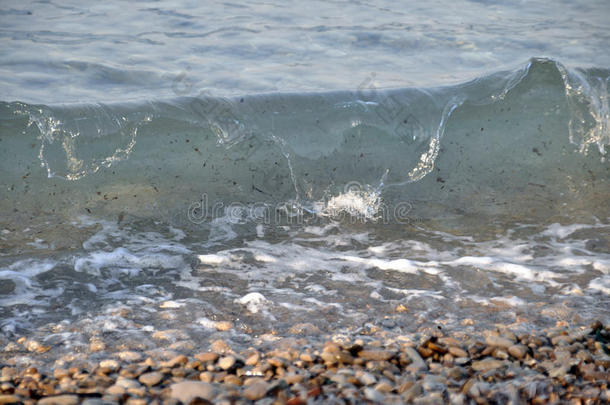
{"points": [[135, 401], [293, 378], [97, 346], [256, 390], [437, 348], [60, 373], [223, 326], [109, 364], [129, 356], [220, 346], [384, 386], [487, 364], [308, 357], [10, 399], [500, 354], [457, 352], [499, 341], [277, 362], [331, 347], [59, 400], [232, 379], [226, 362], [425, 352], [253, 359], [151, 379], [375, 355], [517, 351], [206, 376], [207, 357], [175, 362]]}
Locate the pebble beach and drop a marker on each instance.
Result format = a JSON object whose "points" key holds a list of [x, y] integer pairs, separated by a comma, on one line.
{"points": [[561, 364], [304, 203]]}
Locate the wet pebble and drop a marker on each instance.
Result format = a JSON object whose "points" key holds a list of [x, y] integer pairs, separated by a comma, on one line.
{"points": [[187, 391], [151, 379], [256, 390]]}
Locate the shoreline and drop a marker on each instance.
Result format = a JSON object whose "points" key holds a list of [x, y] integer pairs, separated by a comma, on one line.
{"points": [[559, 364]]}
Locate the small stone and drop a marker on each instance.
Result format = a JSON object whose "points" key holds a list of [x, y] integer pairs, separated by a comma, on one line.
{"points": [[110, 364], [253, 359], [414, 392], [94, 401], [292, 378], [115, 390], [207, 357], [338, 379], [461, 361], [449, 341], [256, 390], [487, 364], [434, 383], [307, 329], [206, 376], [151, 379], [457, 352], [127, 382], [478, 389], [179, 360], [467, 322], [308, 357], [374, 395], [97, 346], [366, 378], [220, 346], [499, 341], [231, 379], [130, 356], [457, 373], [226, 363], [375, 355], [437, 348], [562, 340], [584, 356], [384, 387], [186, 391], [60, 373], [59, 400], [10, 399], [223, 326], [500, 354], [169, 335], [136, 401], [277, 362], [339, 357], [417, 363], [432, 398], [557, 372], [517, 351]]}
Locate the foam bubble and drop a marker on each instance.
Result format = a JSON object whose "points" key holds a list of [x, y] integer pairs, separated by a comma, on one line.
{"points": [[254, 302]]}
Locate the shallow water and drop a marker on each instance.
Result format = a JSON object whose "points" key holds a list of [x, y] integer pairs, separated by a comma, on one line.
{"points": [[396, 170]]}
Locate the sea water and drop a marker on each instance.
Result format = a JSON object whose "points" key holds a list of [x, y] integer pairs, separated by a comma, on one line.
{"points": [[300, 169]]}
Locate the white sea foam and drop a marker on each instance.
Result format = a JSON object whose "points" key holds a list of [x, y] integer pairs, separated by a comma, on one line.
{"points": [[213, 259], [254, 302], [600, 284]]}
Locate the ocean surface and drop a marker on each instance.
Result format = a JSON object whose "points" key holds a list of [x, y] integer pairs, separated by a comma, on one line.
{"points": [[299, 169]]}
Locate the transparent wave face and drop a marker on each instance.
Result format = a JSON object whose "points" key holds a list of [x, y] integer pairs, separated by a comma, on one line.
{"points": [[490, 146]]}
